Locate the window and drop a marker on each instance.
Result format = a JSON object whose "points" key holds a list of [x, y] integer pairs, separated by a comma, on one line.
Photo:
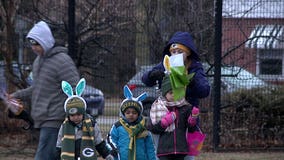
{"points": [[269, 44], [270, 63]]}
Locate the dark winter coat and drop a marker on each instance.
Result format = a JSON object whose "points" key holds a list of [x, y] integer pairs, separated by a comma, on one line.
{"points": [[199, 87], [173, 142]]}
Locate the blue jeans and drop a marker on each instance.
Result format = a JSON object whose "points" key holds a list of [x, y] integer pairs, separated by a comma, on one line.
{"points": [[46, 149], [156, 142]]}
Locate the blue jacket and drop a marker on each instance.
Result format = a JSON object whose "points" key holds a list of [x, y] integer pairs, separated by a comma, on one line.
{"points": [[144, 146], [199, 87]]}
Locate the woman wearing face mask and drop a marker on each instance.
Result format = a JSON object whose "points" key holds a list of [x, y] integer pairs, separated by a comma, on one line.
{"points": [[182, 43]]}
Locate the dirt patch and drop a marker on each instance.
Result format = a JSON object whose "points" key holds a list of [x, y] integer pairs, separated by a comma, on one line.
{"points": [[18, 145], [24, 152]]}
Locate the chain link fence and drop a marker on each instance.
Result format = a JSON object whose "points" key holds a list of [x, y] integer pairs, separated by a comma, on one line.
{"points": [[114, 39]]}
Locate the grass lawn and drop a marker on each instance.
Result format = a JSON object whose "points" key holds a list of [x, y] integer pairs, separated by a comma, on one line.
{"points": [[27, 153], [241, 156]]}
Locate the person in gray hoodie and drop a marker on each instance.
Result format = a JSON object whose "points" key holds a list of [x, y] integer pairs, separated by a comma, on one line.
{"points": [[51, 66]]}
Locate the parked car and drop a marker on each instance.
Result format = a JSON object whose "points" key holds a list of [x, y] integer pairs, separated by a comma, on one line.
{"points": [[16, 71], [95, 100], [233, 78], [2, 78], [137, 87]]}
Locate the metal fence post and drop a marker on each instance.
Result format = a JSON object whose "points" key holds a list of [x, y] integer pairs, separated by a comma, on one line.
{"points": [[71, 30], [217, 75]]}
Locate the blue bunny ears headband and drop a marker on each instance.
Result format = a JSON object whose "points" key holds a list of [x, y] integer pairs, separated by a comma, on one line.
{"points": [[131, 101], [74, 103]]}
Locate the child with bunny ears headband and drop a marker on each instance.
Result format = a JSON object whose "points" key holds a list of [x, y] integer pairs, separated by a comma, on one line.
{"points": [[170, 113], [79, 135], [129, 134]]}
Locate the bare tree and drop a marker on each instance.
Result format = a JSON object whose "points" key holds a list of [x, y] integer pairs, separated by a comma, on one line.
{"points": [[9, 45], [105, 35], [157, 20]]}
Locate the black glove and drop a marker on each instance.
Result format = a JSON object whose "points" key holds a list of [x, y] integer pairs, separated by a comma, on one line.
{"points": [[156, 75], [24, 115], [114, 152]]}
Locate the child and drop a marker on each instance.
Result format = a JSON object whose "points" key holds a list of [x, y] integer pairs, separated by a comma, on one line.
{"points": [[79, 136], [170, 119], [129, 134]]}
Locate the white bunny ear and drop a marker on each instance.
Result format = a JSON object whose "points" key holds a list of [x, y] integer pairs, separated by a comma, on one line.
{"points": [[127, 92], [80, 87], [67, 88], [142, 96]]}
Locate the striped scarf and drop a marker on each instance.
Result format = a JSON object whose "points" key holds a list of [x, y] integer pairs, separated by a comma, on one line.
{"points": [[87, 148], [134, 132]]}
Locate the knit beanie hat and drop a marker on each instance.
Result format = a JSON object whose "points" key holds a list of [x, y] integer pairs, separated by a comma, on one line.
{"points": [[75, 105], [179, 46], [132, 102], [128, 103], [166, 85]]}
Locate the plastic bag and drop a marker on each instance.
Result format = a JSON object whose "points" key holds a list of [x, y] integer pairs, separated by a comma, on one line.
{"points": [[195, 142], [15, 106]]}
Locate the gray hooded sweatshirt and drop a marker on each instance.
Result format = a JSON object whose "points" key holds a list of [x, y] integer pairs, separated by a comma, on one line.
{"points": [[49, 70]]}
